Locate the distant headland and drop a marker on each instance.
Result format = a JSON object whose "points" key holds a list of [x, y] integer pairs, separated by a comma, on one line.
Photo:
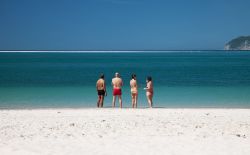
{"points": [[240, 43]]}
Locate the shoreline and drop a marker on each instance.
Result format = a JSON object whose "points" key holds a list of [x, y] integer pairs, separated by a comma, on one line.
{"points": [[117, 107]]}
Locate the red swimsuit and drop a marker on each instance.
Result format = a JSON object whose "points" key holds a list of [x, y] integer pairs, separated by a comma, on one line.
{"points": [[117, 91]]}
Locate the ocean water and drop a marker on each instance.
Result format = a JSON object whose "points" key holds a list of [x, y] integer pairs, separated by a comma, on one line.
{"points": [[181, 79]]}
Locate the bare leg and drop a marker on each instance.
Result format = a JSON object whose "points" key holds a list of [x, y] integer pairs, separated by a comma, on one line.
{"points": [[148, 100], [98, 102], [151, 101], [136, 96], [102, 101], [133, 100], [149, 97], [113, 103], [120, 100]]}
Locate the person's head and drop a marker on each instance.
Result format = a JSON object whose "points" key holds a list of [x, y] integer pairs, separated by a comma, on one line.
{"points": [[117, 74], [133, 76], [102, 76], [149, 78]]}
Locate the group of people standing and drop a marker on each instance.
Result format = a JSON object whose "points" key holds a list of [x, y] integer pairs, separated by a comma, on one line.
{"points": [[117, 84]]}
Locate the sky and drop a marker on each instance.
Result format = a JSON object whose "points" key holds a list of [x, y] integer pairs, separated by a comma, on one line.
{"points": [[121, 24]]}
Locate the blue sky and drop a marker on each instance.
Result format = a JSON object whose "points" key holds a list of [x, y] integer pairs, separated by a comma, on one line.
{"points": [[121, 24]]}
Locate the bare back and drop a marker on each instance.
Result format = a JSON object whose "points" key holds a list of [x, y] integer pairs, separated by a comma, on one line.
{"points": [[117, 82], [100, 84], [133, 85], [150, 87]]}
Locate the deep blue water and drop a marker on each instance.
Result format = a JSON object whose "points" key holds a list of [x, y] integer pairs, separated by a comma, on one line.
{"points": [[181, 79]]}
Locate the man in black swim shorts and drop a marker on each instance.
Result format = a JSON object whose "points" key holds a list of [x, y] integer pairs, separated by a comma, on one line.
{"points": [[101, 90]]}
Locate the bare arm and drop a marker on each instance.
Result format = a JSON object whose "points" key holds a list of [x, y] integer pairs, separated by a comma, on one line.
{"points": [[148, 86], [104, 86]]}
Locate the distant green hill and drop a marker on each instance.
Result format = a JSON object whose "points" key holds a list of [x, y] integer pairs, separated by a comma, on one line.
{"points": [[240, 43]]}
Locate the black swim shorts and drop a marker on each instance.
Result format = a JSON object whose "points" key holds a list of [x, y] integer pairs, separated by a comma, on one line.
{"points": [[101, 92]]}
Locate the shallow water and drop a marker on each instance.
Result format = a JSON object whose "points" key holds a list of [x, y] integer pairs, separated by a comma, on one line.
{"points": [[181, 79]]}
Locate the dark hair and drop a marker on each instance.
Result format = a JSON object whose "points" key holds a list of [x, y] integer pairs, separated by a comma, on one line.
{"points": [[102, 76], [133, 76], [149, 78]]}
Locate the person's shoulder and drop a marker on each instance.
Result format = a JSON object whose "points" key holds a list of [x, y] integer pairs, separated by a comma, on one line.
{"points": [[114, 79]]}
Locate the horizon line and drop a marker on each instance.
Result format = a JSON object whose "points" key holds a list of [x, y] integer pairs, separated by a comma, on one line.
{"points": [[110, 51]]}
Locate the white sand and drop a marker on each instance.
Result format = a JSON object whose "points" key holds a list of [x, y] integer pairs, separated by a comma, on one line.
{"points": [[125, 131]]}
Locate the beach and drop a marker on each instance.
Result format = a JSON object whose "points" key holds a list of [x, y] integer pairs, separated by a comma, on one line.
{"points": [[125, 131]]}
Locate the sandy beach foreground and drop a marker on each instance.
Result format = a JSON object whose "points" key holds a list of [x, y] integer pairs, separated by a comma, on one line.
{"points": [[125, 131]]}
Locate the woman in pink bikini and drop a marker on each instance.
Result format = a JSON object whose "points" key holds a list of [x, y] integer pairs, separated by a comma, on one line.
{"points": [[149, 91]]}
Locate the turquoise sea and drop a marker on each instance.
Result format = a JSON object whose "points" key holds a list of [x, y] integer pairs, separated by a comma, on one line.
{"points": [[181, 78]]}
